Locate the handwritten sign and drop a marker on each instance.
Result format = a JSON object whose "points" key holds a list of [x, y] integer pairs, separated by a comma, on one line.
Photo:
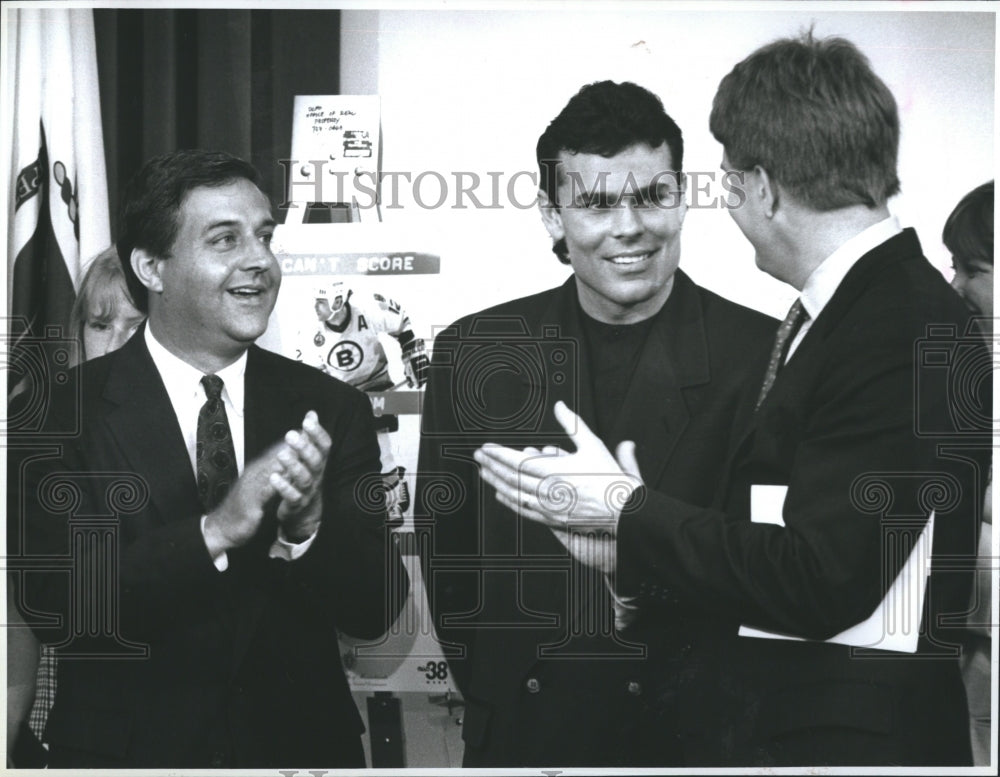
{"points": [[334, 139]]}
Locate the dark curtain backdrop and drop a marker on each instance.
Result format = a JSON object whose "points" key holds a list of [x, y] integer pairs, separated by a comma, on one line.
{"points": [[222, 79]]}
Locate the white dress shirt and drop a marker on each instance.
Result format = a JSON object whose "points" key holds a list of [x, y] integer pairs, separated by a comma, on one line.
{"points": [[187, 395], [823, 282]]}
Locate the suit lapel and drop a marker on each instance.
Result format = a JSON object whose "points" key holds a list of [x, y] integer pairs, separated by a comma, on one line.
{"points": [[674, 357], [654, 415], [272, 406], [857, 280], [853, 285], [146, 429], [559, 328]]}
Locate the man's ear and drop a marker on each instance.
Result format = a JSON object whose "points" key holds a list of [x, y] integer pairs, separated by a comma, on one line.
{"points": [[551, 216], [147, 269], [766, 188]]}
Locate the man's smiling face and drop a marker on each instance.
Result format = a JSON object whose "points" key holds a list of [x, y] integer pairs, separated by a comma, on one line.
{"points": [[221, 280], [621, 217]]}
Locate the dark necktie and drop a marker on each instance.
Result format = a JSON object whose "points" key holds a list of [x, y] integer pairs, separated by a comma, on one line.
{"points": [[782, 341], [215, 454]]}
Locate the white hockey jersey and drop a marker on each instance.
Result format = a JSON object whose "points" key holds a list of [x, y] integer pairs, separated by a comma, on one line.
{"points": [[352, 352]]}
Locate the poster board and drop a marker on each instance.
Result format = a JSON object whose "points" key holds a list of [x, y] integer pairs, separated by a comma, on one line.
{"points": [[335, 152]]}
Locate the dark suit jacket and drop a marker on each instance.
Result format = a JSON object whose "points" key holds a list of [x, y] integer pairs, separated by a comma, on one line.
{"points": [[872, 423], [528, 634], [164, 661]]}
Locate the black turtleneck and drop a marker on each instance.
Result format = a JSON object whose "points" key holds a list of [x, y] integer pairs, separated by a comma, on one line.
{"points": [[613, 352]]}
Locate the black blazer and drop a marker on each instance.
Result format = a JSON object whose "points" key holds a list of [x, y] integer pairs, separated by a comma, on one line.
{"points": [[881, 415], [528, 633], [164, 661]]}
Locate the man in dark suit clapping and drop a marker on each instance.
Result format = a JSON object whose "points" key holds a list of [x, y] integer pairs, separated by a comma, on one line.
{"points": [[554, 671], [201, 629]]}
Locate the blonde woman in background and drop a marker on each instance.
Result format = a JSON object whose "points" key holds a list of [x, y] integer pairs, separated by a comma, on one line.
{"points": [[103, 316]]}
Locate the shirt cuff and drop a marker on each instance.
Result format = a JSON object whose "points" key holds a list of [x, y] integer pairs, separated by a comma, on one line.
{"points": [[624, 573], [222, 560], [289, 551], [625, 602], [625, 607]]}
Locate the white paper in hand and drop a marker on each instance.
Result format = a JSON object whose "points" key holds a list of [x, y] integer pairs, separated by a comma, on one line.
{"points": [[895, 624]]}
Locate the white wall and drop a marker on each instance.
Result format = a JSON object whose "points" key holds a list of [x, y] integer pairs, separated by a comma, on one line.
{"points": [[472, 90]]}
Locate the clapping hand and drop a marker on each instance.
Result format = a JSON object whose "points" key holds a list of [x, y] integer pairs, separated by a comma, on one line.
{"points": [[292, 470], [578, 495], [299, 480]]}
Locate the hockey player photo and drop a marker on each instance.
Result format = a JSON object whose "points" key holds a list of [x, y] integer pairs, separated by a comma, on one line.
{"points": [[346, 345]]}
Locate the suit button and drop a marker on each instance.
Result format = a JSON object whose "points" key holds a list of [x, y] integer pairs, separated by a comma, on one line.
{"points": [[634, 688], [533, 685], [218, 759]]}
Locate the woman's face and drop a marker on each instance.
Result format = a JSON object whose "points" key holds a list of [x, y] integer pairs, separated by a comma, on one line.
{"points": [[108, 326], [974, 281]]}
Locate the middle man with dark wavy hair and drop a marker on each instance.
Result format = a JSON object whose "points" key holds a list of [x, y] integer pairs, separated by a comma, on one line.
{"points": [[553, 666]]}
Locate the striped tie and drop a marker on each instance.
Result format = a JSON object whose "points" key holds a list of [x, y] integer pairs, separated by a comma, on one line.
{"points": [[786, 333]]}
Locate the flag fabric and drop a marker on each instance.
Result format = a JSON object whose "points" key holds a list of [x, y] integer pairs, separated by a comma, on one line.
{"points": [[57, 209], [58, 194]]}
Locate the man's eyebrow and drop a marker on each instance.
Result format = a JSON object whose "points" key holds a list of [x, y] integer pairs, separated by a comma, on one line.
{"points": [[224, 224], [235, 223]]}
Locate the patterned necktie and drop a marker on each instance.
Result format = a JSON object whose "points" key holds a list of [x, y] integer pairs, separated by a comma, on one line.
{"points": [[782, 341], [214, 450]]}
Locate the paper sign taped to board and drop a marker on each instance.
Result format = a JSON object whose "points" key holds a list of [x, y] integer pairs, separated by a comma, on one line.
{"points": [[335, 139], [895, 624]]}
